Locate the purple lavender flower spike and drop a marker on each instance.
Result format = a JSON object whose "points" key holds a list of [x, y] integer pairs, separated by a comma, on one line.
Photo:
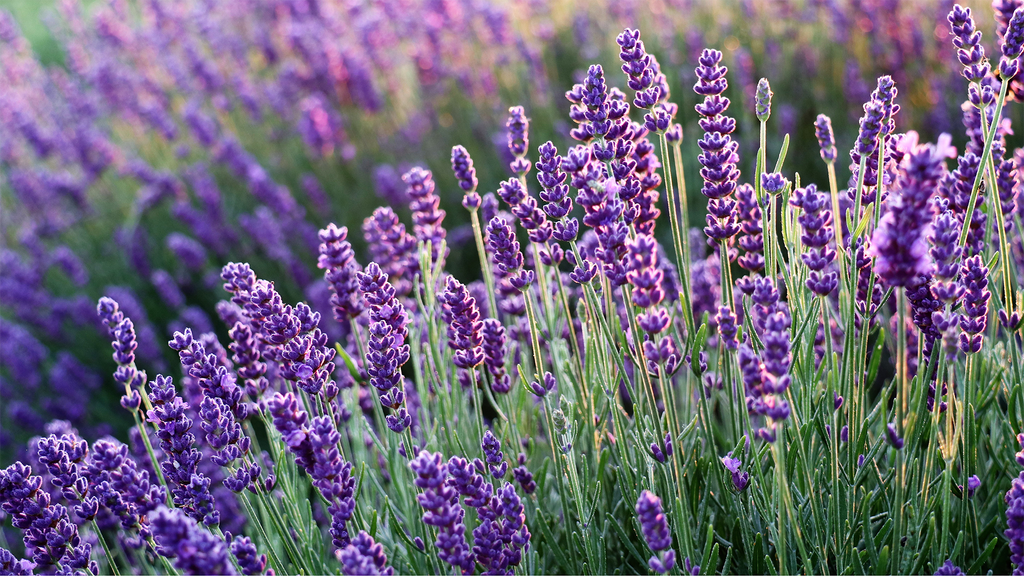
{"points": [[439, 501], [249, 559], [388, 350], [1012, 45], [494, 348], [507, 256], [763, 100], [9, 564], [518, 126], [340, 268], [752, 240], [718, 150], [493, 455], [364, 557], [523, 476], [967, 39], [465, 173], [826, 140], [648, 292], [949, 569], [1015, 522], [464, 324], [427, 216], [899, 242], [976, 296], [727, 328], [194, 550], [391, 247], [656, 533], [817, 237]]}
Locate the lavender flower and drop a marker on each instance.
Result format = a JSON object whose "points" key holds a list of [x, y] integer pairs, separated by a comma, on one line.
{"points": [[752, 240], [817, 237], [893, 436], [427, 216], [976, 297], [826, 140], [899, 241], [647, 281], [505, 251], [740, 480], [9, 564], [442, 510], [194, 549], [718, 151], [392, 248], [1012, 45], [388, 350], [518, 126], [763, 100], [494, 348], [340, 268], [949, 569], [967, 40], [656, 533], [364, 556], [464, 324], [250, 561], [493, 455], [462, 166]]}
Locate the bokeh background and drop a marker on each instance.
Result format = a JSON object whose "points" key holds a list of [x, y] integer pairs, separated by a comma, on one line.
{"points": [[145, 143]]}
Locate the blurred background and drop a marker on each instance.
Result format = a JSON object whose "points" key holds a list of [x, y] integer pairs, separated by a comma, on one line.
{"points": [[146, 143]]}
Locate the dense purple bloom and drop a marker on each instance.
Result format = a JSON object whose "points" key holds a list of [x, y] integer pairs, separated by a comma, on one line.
{"points": [[1012, 45], [647, 280], [9, 564], [718, 150], [493, 455], [189, 487], [1015, 522], [974, 276], [464, 324], [249, 559], [524, 476], [826, 140], [899, 242], [391, 247], [727, 327], [967, 39], [194, 549], [656, 533], [518, 126], [364, 557], [465, 173], [949, 569], [507, 256], [817, 238], [893, 436], [1006, 185], [340, 268], [439, 501], [48, 531], [388, 350], [427, 215], [494, 348], [752, 240]]}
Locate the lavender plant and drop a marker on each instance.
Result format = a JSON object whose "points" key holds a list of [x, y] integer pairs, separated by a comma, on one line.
{"points": [[845, 396]]}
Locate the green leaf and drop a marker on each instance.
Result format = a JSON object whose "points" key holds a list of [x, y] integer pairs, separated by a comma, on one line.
{"points": [[626, 541], [782, 153], [349, 363], [708, 546], [976, 567], [553, 546], [883, 561]]}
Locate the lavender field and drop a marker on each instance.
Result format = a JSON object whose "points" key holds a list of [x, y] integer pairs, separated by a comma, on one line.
{"points": [[526, 287]]}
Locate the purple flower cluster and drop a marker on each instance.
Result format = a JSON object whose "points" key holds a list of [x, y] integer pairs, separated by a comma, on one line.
{"points": [[826, 140], [647, 281], [494, 347], [518, 126], [718, 150], [817, 238], [440, 502], [427, 215], [340, 268], [974, 275], [392, 248], [465, 173], [194, 549], [967, 39], [899, 243], [751, 225], [363, 556], [508, 258], [388, 350], [654, 526], [740, 480], [464, 326]]}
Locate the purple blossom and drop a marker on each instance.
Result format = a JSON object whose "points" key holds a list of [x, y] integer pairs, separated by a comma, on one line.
{"points": [[1012, 45], [387, 348], [392, 248], [493, 455], [899, 243], [441, 510], [718, 150], [193, 549], [763, 100], [752, 240], [464, 325], [740, 480], [427, 215], [656, 533], [949, 569], [518, 126], [250, 561], [340, 268], [967, 39], [974, 276], [495, 348], [817, 237], [507, 257], [826, 140], [364, 557], [462, 166]]}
